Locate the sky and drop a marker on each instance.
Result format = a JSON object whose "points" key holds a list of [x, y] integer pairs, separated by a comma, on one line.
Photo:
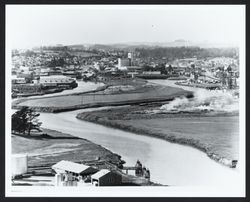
{"points": [[36, 25]]}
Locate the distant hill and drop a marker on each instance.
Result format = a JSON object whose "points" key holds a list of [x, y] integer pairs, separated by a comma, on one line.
{"points": [[176, 43], [131, 46]]}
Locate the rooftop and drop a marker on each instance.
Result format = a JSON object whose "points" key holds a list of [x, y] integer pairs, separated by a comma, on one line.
{"points": [[70, 166], [100, 174]]}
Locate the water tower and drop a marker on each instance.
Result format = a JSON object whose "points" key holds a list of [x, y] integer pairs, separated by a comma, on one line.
{"points": [[130, 58], [19, 164]]}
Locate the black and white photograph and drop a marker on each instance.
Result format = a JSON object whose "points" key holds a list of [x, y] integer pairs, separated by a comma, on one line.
{"points": [[125, 100]]}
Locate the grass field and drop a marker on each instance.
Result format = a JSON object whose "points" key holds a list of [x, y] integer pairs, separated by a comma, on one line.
{"points": [[59, 146], [212, 133], [219, 134], [146, 92]]}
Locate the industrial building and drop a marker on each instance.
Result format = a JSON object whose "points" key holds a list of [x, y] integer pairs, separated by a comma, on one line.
{"points": [[26, 88], [106, 178], [74, 174], [74, 168], [124, 63], [58, 81]]}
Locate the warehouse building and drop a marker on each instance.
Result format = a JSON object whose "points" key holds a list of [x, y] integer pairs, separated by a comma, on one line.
{"points": [[76, 169], [58, 80], [106, 177]]}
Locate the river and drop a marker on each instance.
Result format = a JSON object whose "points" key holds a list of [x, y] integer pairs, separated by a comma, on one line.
{"points": [[169, 164]]}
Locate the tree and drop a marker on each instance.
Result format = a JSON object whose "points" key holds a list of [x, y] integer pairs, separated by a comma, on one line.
{"points": [[18, 119], [161, 68], [25, 120]]}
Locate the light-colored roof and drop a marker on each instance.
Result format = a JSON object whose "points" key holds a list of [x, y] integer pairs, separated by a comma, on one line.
{"points": [[70, 166], [55, 77], [19, 155], [14, 77], [134, 67], [100, 174]]}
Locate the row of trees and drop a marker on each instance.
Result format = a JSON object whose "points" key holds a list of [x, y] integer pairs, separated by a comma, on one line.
{"points": [[160, 67], [25, 120], [186, 52]]}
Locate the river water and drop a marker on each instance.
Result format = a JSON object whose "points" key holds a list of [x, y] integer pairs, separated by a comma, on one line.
{"points": [[169, 164]]}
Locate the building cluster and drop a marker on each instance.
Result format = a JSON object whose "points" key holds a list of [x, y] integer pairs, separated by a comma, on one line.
{"points": [[68, 173], [74, 174], [56, 69], [134, 67], [222, 73], [41, 85]]}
